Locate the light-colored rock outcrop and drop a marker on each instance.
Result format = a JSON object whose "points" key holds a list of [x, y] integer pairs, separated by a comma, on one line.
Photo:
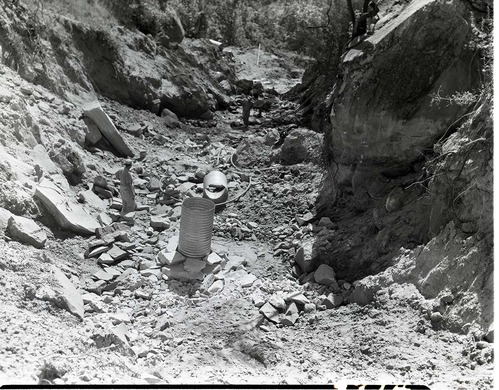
{"points": [[67, 213]]}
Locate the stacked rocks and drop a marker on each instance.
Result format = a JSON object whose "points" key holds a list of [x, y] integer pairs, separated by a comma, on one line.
{"points": [[177, 266]]}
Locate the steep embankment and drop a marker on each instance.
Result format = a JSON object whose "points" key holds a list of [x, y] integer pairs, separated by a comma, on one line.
{"points": [[409, 145], [75, 60]]}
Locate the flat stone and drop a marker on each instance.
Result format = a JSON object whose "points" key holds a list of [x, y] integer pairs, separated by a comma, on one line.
{"points": [[103, 275], [151, 272], [145, 264], [159, 223], [115, 227], [298, 298], [128, 217], [97, 251], [104, 219], [193, 265], [94, 111], [247, 280], [119, 317], [97, 286], [138, 182], [90, 297], [116, 204], [26, 89], [184, 187], [270, 312], [306, 278], [26, 231], [170, 258], [70, 298], [66, 212], [217, 286], [290, 316], [213, 258], [151, 379], [113, 271], [141, 350], [105, 258], [105, 193], [126, 246], [116, 253], [258, 298], [177, 271], [326, 276], [278, 302], [93, 200], [218, 248], [235, 262], [127, 263], [172, 244]]}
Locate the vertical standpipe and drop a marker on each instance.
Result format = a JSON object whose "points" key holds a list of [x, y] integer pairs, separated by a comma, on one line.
{"points": [[196, 227]]}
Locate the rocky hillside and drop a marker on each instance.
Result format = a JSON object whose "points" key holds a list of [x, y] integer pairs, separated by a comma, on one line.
{"points": [[409, 160]]}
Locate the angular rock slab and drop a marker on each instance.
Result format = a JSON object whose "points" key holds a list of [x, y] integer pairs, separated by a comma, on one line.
{"points": [[95, 112], [26, 231], [4, 220], [70, 297], [67, 213]]}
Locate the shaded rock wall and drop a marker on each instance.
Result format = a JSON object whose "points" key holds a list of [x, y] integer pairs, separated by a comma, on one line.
{"points": [[382, 113]]}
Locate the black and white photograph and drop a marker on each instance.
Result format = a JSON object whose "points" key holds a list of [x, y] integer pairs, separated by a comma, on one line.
{"points": [[247, 194]]}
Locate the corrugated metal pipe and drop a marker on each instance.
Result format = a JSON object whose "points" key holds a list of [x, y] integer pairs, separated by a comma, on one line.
{"points": [[196, 227]]}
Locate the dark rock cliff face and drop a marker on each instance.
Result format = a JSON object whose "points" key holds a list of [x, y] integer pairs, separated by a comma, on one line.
{"points": [[382, 113]]}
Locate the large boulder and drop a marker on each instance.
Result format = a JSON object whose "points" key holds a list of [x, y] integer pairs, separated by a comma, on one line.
{"points": [[301, 145], [69, 160], [383, 114], [26, 231], [94, 111], [67, 213]]}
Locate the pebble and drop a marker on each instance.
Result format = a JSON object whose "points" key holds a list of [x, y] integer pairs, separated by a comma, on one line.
{"points": [[217, 286], [247, 280]]}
